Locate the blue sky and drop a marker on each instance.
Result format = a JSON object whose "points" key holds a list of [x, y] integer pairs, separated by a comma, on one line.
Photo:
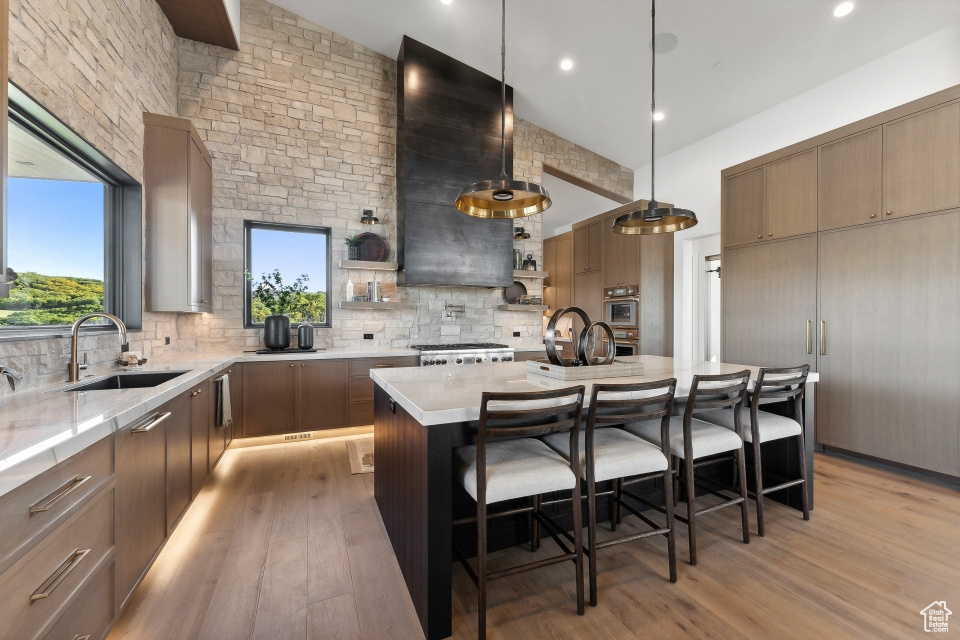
{"points": [[292, 253], [55, 227]]}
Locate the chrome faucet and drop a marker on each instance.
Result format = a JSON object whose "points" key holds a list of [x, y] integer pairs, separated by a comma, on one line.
{"points": [[74, 367]]}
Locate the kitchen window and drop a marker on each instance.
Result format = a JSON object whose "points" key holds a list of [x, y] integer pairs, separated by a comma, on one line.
{"points": [[71, 240], [282, 254]]}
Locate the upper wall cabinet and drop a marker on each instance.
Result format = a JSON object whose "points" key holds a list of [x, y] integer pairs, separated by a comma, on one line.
{"points": [[851, 172], [178, 188], [922, 162], [791, 196], [215, 22], [621, 256], [588, 248], [743, 208]]}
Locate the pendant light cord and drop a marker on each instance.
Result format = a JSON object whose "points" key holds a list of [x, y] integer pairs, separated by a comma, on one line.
{"points": [[503, 88], [653, 100]]}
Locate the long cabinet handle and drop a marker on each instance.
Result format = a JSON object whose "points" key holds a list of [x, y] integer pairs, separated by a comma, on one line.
{"points": [[58, 576], [823, 337], [154, 421], [809, 336], [86, 637], [59, 494]]}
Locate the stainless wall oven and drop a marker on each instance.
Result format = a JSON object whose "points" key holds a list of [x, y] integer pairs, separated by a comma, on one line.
{"points": [[621, 306], [628, 342]]}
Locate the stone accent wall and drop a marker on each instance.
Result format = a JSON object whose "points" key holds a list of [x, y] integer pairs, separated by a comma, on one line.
{"points": [[301, 124], [97, 65]]}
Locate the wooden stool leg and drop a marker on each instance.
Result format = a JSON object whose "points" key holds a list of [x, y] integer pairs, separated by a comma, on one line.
{"points": [[537, 506], [691, 510], [675, 465], [758, 479], [578, 543], [803, 476], [592, 538], [481, 571], [616, 512], [744, 511], [671, 537]]}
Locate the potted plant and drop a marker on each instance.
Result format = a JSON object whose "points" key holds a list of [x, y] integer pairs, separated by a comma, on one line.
{"points": [[353, 247], [279, 299]]}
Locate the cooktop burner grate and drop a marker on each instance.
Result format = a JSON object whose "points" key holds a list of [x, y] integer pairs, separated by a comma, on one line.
{"points": [[458, 347]]}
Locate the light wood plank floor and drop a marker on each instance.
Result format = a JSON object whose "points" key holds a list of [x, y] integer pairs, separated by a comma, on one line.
{"points": [[283, 542]]}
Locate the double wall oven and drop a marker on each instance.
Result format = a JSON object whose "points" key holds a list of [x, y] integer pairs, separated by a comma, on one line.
{"points": [[621, 310]]}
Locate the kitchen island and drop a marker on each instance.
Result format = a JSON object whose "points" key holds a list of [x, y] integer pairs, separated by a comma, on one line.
{"points": [[422, 414]]}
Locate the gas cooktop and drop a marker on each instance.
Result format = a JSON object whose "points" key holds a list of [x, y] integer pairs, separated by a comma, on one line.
{"points": [[464, 346]]}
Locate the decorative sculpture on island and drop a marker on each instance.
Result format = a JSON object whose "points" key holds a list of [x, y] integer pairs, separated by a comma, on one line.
{"points": [[584, 346]]}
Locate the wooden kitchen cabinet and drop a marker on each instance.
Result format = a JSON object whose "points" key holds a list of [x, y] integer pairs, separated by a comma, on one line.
{"points": [[201, 415], [269, 398], [791, 196], [888, 297], [744, 200], [558, 263], [588, 248], [655, 277], [621, 256], [770, 303], [921, 162], [178, 191], [361, 385], [179, 453], [588, 295], [141, 498], [850, 178], [321, 395]]}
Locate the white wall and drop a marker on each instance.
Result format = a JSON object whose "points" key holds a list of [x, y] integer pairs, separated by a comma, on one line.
{"points": [[690, 177]]}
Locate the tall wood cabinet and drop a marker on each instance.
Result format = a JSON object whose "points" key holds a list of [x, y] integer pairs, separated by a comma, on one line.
{"points": [[770, 303], [178, 191], [890, 314], [558, 263], [879, 275]]}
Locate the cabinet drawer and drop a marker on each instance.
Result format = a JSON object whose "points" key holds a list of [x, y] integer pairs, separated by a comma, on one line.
{"points": [[361, 389], [362, 366], [91, 614], [30, 511], [361, 414], [43, 583]]}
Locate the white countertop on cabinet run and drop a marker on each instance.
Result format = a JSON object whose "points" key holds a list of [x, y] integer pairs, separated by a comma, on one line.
{"points": [[41, 428], [440, 395]]}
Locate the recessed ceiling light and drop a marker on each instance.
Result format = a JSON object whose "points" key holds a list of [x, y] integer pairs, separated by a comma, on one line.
{"points": [[25, 163], [447, 1], [843, 9], [718, 66], [566, 64], [658, 116]]}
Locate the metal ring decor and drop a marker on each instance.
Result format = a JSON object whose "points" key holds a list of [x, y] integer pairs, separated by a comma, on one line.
{"points": [[551, 337], [587, 345], [584, 345]]}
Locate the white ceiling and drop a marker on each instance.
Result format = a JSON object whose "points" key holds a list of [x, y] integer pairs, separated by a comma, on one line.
{"points": [[771, 50], [570, 204]]}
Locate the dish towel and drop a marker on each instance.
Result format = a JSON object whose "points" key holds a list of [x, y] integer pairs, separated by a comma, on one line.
{"points": [[224, 412]]}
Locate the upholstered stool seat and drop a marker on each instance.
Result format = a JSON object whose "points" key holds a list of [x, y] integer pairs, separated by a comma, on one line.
{"points": [[515, 469], [617, 454], [707, 439], [770, 425]]}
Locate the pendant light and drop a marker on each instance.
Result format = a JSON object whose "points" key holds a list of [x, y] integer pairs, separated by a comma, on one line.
{"points": [[503, 197], [653, 218]]}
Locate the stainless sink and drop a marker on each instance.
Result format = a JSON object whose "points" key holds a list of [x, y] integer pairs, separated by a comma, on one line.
{"points": [[126, 381]]}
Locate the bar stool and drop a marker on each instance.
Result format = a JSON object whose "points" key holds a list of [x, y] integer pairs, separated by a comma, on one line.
{"points": [[522, 466], [784, 385], [696, 443], [613, 454]]}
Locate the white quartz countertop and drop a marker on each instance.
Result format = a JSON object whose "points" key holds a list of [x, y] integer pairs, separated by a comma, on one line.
{"points": [[41, 428], [440, 395]]}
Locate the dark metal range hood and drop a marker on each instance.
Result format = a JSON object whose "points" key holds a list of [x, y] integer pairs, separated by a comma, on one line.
{"points": [[448, 135]]}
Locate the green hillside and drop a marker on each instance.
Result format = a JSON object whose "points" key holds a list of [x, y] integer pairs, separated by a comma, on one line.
{"points": [[36, 299]]}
